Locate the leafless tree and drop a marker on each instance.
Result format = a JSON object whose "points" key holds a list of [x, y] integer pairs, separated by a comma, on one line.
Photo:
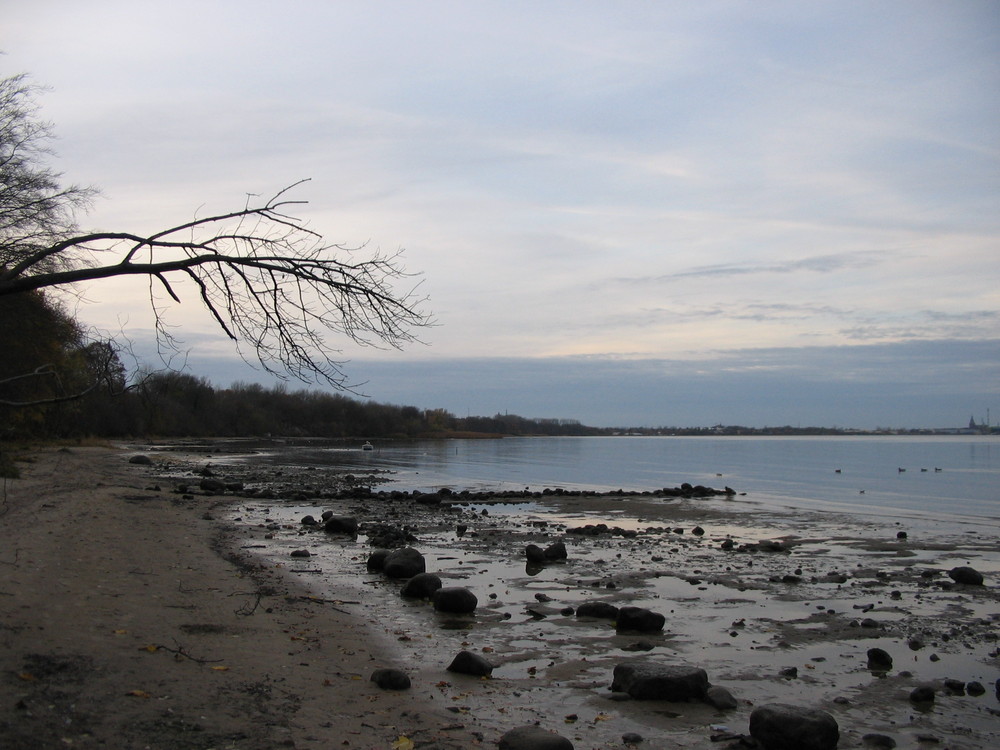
{"points": [[272, 284]]}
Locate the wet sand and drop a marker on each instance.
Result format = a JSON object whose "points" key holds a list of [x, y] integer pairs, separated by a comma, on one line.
{"points": [[790, 626], [130, 619]]}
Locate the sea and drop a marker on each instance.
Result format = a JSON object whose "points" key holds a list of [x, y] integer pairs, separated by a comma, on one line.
{"points": [[952, 477]]}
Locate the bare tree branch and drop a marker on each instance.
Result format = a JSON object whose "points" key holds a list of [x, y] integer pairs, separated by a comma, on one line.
{"points": [[267, 279]]}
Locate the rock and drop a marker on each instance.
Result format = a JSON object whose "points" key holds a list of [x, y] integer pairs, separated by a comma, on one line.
{"points": [[770, 545], [466, 662], [645, 680], [308, 521], [922, 694], [975, 688], [404, 563], [421, 586], [212, 485], [555, 551], [879, 660], [341, 525], [602, 610], [388, 537], [718, 697], [955, 687], [533, 738], [391, 679], [639, 646], [631, 738], [779, 726], [535, 554], [639, 619], [376, 560], [301, 553], [141, 460], [455, 600], [966, 575]]}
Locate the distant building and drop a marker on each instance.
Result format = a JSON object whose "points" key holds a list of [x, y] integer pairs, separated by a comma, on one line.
{"points": [[972, 429]]}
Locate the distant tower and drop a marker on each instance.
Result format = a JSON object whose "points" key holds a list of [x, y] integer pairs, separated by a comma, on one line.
{"points": [[972, 423]]}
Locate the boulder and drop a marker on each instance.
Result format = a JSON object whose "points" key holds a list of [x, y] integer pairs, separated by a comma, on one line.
{"points": [[965, 574], [639, 619], [467, 662], [141, 460], [645, 680], [555, 551], [212, 486], [779, 726], [533, 738], [376, 560], [421, 586], [391, 679], [922, 694], [602, 610], [341, 525], [718, 697], [879, 660], [535, 554], [455, 600], [404, 563]]}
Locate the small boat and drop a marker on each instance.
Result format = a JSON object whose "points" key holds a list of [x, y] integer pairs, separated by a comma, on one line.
{"points": [[367, 446]]}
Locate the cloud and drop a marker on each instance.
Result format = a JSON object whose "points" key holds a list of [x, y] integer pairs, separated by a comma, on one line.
{"points": [[660, 181]]}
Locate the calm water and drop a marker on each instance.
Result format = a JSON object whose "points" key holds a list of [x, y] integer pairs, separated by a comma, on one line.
{"points": [[948, 475]]}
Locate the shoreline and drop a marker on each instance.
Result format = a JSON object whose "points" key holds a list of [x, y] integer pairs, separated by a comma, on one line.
{"points": [[124, 627], [802, 608], [106, 565]]}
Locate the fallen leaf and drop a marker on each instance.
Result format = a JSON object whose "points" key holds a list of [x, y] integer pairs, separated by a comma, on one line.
{"points": [[28, 677], [121, 632], [221, 669], [403, 743], [151, 648], [138, 694], [603, 717]]}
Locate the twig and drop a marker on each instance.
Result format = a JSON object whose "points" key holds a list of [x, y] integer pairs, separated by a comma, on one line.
{"points": [[180, 652], [246, 610]]}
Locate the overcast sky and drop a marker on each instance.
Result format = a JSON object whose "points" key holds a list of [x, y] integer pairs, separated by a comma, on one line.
{"points": [[628, 213]]}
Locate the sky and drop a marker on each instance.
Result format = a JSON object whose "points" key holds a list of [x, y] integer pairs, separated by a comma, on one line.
{"points": [[626, 213]]}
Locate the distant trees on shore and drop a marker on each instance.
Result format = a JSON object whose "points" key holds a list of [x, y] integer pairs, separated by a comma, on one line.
{"points": [[174, 404]]}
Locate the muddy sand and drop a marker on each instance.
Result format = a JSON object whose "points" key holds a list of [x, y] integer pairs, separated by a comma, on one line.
{"points": [[134, 615]]}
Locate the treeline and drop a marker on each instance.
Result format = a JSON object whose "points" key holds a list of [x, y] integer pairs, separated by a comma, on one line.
{"points": [[174, 404]]}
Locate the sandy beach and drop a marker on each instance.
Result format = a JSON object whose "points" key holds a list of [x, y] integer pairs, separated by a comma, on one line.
{"points": [[135, 616], [128, 622]]}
